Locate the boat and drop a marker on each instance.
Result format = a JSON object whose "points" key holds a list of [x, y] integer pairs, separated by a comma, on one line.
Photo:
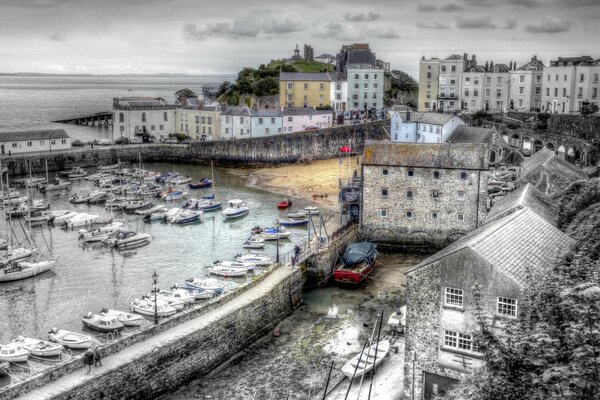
{"points": [[236, 208], [208, 284], [17, 270], [357, 263], [72, 340], [246, 265], [227, 272], [312, 210], [64, 218], [202, 183], [32, 181], [102, 323], [17, 253], [38, 217], [126, 239], [258, 259], [285, 203], [76, 172], [147, 211], [186, 217], [293, 221], [148, 308], [203, 204], [175, 194], [127, 319], [254, 243], [180, 180], [113, 167], [177, 294], [98, 234], [199, 294], [40, 348], [15, 201], [274, 233], [364, 362], [81, 219], [54, 185], [13, 352], [133, 205], [158, 215], [9, 194]]}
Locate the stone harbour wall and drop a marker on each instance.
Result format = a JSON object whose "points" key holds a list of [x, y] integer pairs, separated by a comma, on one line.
{"points": [[319, 267]]}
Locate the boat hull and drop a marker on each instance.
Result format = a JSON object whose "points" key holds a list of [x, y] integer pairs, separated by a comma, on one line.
{"points": [[28, 271], [352, 276], [71, 339], [364, 363]]}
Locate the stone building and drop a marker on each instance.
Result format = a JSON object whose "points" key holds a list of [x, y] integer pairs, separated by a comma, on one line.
{"points": [[34, 141], [422, 194], [412, 127], [498, 257], [489, 136], [138, 118]]}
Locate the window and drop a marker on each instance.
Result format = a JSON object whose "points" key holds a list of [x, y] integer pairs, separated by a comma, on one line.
{"points": [[366, 85], [15, 145], [548, 92], [487, 92], [498, 93], [321, 86], [165, 116], [338, 86], [260, 121], [209, 120], [443, 68], [435, 194], [41, 142], [521, 90], [153, 127], [204, 130], [467, 79], [437, 175], [520, 102], [197, 128], [499, 81], [384, 192], [565, 77], [475, 92], [272, 120], [63, 141], [410, 173], [473, 103], [385, 172], [162, 127], [595, 78], [374, 76], [460, 217], [410, 194], [121, 128], [459, 341], [266, 130], [538, 90], [121, 117], [374, 86], [383, 213], [290, 85], [521, 78], [429, 75], [434, 216], [475, 81], [556, 78], [594, 93], [29, 144], [409, 214], [450, 339], [580, 92], [366, 76], [356, 86], [463, 175], [466, 92], [453, 68], [241, 120], [488, 80], [197, 119], [507, 307], [227, 120], [454, 297], [226, 130], [290, 119], [305, 85], [581, 77]]}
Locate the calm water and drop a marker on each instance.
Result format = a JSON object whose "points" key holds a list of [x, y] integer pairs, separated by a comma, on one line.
{"points": [[32, 102], [92, 277]]}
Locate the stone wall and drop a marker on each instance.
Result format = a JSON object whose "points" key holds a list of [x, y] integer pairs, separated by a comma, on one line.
{"points": [[320, 266]]}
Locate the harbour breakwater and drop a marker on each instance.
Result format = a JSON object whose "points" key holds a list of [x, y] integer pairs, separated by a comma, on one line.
{"points": [[248, 152]]}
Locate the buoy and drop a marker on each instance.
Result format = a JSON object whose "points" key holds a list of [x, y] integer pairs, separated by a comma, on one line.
{"points": [[276, 332]]}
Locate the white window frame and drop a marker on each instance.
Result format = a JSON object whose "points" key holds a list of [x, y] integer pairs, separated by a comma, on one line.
{"points": [[460, 195], [386, 194], [507, 307], [453, 297], [460, 217], [409, 214], [383, 213]]}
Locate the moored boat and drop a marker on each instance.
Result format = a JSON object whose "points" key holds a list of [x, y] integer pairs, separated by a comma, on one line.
{"points": [[254, 243], [247, 265], [127, 319], [148, 308], [293, 221], [13, 352], [227, 272], [208, 284], [285, 203], [274, 233], [357, 263], [236, 208], [70, 339], [202, 183], [125, 239], [102, 323], [258, 259], [365, 362], [18, 270], [40, 348]]}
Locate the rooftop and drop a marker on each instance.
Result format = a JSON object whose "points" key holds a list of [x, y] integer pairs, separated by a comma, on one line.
{"points": [[514, 245], [526, 196], [471, 134], [546, 159], [46, 134], [241, 111], [426, 155], [304, 111], [267, 112], [305, 76], [433, 118]]}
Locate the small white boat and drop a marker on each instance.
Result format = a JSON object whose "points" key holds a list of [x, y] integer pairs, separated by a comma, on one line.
{"points": [[177, 294], [58, 213], [177, 304], [274, 233], [147, 307], [125, 239], [174, 195], [55, 185], [82, 219], [147, 211], [15, 201], [40, 348], [179, 180], [236, 208], [18, 270], [98, 234], [247, 265], [227, 272], [311, 210], [206, 284], [38, 217], [254, 243], [13, 352], [258, 259], [127, 319], [102, 323], [297, 214], [17, 253], [10, 194], [133, 205], [371, 357], [199, 294], [62, 219], [159, 215], [186, 217], [76, 172], [70, 339]]}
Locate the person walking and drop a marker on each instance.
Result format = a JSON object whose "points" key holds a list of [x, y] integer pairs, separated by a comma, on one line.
{"points": [[97, 358], [88, 359]]}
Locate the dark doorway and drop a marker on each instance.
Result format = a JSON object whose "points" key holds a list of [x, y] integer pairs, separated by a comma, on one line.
{"points": [[435, 385]]}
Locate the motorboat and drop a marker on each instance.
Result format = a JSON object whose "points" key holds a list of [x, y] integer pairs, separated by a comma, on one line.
{"points": [[115, 203], [357, 263], [17, 253], [275, 233], [158, 215], [186, 217], [76, 172], [55, 185], [258, 259], [133, 205], [175, 194], [9, 194], [13, 352], [58, 213], [127, 319], [82, 219], [40, 348], [15, 201], [70, 339], [64, 218], [236, 208], [227, 272], [364, 362], [17, 270], [202, 183], [149, 308], [102, 323], [113, 167], [247, 265], [177, 294], [98, 234], [147, 211], [126, 239], [171, 213], [199, 294], [311, 210], [293, 221], [38, 217], [254, 243], [285, 203], [172, 177], [177, 304], [180, 180], [203, 204], [208, 284], [31, 181]]}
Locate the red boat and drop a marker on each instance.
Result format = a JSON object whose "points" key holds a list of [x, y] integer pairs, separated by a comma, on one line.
{"points": [[284, 204], [357, 263]]}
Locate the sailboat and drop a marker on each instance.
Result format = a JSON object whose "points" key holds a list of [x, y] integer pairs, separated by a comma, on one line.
{"points": [[208, 203]]}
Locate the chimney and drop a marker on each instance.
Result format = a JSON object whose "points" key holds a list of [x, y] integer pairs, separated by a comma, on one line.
{"points": [[534, 58], [473, 61], [491, 66], [407, 114], [487, 66]]}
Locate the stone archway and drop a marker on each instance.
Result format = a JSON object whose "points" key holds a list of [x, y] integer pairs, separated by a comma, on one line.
{"points": [[492, 157], [570, 155], [514, 140], [550, 146], [537, 145], [526, 146], [578, 158], [561, 151]]}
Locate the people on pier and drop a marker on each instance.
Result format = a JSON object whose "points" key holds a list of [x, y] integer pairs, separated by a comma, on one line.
{"points": [[97, 358], [88, 359]]}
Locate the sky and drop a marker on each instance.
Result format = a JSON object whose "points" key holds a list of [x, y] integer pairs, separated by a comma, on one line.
{"points": [[221, 37]]}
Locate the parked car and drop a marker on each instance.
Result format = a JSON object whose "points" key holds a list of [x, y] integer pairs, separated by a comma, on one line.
{"points": [[103, 142], [311, 128], [171, 141], [186, 141], [77, 143], [122, 141]]}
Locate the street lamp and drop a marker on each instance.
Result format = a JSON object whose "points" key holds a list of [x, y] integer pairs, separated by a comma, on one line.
{"points": [[155, 281], [277, 225]]}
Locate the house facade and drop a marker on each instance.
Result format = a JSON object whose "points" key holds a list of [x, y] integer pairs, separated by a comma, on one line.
{"points": [[138, 117], [451, 68], [417, 193], [199, 121], [429, 76], [365, 87], [299, 119], [485, 87], [34, 141], [300, 89], [266, 122], [235, 123], [526, 86], [418, 127], [339, 95]]}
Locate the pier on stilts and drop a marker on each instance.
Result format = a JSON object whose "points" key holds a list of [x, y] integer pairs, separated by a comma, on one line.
{"points": [[101, 120]]}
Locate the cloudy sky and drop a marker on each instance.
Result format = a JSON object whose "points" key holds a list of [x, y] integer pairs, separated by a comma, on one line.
{"points": [[209, 37]]}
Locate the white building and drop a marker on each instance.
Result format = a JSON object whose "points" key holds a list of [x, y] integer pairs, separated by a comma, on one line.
{"points": [[485, 87], [413, 127], [339, 95], [449, 83], [525, 88], [34, 141], [141, 117], [299, 119], [235, 123], [266, 122], [365, 87]]}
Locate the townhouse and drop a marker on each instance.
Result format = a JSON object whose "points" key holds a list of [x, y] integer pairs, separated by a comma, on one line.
{"points": [[199, 121], [525, 88], [138, 118], [422, 127], [300, 89]]}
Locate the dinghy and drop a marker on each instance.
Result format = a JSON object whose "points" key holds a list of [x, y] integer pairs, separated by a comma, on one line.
{"points": [[70, 339], [40, 348], [363, 363]]}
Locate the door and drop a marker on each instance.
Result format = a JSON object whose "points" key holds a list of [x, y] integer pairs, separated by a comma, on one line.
{"points": [[435, 386], [2, 149]]}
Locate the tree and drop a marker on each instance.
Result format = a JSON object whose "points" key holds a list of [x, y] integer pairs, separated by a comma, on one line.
{"points": [[324, 107], [588, 108], [183, 94]]}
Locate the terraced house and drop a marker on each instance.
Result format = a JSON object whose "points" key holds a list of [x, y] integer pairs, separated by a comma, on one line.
{"points": [[300, 89], [199, 121]]}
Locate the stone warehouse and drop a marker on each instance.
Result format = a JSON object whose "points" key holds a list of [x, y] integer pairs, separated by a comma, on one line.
{"points": [[498, 257], [419, 194]]}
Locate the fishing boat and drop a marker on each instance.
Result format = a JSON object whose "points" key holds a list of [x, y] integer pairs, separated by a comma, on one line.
{"points": [[254, 243], [70, 339], [13, 352], [364, 362], [256, 258], [148, 308], [274, 233], [96, 235], [17, 270], [40, 348], [102, 323], [285, 203], [227, 272], [202, 183], [127, 319], [236, 208], [126, 239], [357, 263], [207, 284], [293, 221]]}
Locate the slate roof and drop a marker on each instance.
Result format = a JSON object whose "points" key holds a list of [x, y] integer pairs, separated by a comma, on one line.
{"points": [[470, 134], [553, 164], [267, 112], [45, 134], [538, 65], [427, 155], [361, 56], [513, 245], [527, 196], [426, 117], [304, 111], [237, 111], [455, 57], [325, 55], [305, 76]]}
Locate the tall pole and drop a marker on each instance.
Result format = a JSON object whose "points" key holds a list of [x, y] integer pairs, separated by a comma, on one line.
{"points": [[277, 225], [327, 383], [155, 281], [412, 396]]}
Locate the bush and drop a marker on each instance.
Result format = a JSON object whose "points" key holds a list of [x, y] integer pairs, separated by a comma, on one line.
{"points": [[77, 143]]}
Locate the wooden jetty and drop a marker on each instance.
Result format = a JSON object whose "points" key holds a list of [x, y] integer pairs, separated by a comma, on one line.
{"points": [[102, 120]]}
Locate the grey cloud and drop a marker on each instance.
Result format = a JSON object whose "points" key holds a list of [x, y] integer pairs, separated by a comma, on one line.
{"points": [[339, 31], [247, 27], [510, 23], [548, 25], [370, 16], [426, 8], [388, 34], [432, 25], [525, 3], [451, 7], [475, 22], [56, 37]]}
